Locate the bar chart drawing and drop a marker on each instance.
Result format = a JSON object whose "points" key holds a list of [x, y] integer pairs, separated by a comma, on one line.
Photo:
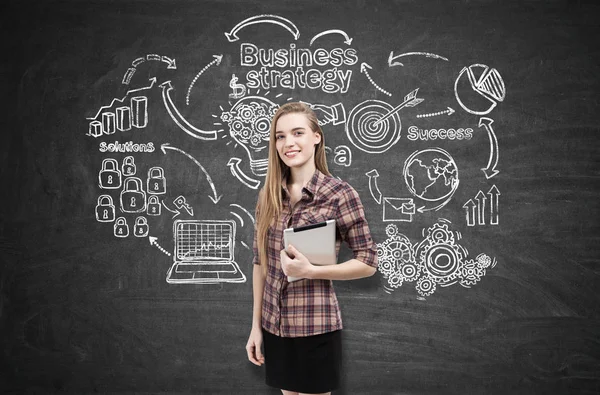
{"points": [[123, 118]]}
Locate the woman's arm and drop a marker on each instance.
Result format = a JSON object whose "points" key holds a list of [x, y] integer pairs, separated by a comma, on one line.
{"points": [[349, 270], [296, 264], [258, 285], [254, 344]]}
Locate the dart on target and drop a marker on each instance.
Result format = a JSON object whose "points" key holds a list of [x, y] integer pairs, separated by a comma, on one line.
{"points": [[374, 126]]}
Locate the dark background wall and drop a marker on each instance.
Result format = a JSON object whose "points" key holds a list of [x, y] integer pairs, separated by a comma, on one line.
{"points": [[82, 311]]}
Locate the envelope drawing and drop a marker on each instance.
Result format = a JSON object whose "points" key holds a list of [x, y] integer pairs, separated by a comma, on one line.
{"points": [[398, 209]]}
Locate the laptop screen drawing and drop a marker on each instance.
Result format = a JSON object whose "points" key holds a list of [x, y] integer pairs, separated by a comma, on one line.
{"points": [[204, 253]]}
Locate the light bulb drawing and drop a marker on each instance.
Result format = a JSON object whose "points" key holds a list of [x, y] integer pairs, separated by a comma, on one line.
{"points": [[249, 122]]}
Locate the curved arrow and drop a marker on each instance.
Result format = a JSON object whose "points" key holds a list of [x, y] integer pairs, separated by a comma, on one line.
{"points": [[217, 61], [234, 166], [244, 210], [214, 196], [154, 242], [347, 40], [171, 64], [176, 212], [392, 58], [490, 170], [267, 18], [375, 192], [180, 120], [363, 69]]}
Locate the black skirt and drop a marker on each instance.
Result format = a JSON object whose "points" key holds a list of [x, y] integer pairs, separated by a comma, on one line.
{"points": [[310, 364]]}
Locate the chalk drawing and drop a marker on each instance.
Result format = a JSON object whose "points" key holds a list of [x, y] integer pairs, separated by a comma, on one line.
{"points": [[171, 64], [204, 253], [478, 89], [121, 228], [449, 111], [216, 61], [431, 176], [109, 176], [342, 156], [265, 18], [140, 227], [373, 188], [156, 183], [476, 208], [214, 197], [363, 69], [133, 197], [249, 122], [239, 90], [392, 60], [436, 261], [180, 120], [490, 170], [105, 209], [128, 167], [347, 40], [374, 126], [181, 203]]}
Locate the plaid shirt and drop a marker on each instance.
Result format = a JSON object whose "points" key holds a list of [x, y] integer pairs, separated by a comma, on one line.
{"points": [[310, 307]]}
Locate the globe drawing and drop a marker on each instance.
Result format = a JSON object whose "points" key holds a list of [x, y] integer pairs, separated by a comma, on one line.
{"points": [[431, 175]]}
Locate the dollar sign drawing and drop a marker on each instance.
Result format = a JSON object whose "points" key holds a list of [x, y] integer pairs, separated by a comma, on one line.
{"points": [[239, 90]]}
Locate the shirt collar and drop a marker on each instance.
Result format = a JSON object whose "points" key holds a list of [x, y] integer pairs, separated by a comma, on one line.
{"points": [[311, 187]]}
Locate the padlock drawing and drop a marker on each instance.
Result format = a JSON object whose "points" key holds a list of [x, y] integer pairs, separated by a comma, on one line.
{"points": [[133, 198], [121, 229], [110, 175], [156, 183], [105, 209], [128, 168], [154, 207], [140, 228]]}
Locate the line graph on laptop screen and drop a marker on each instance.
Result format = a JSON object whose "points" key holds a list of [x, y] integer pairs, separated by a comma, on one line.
{"points": [[204, 240]]}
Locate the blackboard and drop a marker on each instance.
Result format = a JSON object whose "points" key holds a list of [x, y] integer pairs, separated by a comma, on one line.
{"points": [[469, 129]]}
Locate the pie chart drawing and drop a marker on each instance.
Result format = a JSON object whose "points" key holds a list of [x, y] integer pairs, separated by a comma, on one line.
{"points": [[479, 88]]}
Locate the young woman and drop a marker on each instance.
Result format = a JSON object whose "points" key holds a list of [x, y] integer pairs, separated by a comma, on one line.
{"points": [[299, 323]]}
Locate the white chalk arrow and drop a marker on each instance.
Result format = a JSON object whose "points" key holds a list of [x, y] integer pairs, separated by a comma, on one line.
{"points": [[410, 100], [449, 111], [154, 242], [363, 69], [490, 170], [180, 120], [470, 209], [267, 18], [494, 193], [392, 59], [120, 101], [373, 188], [347, 40], [234, 166], [170, 62], [176, 212], [480, 197], [217, 61], [214, 196]]}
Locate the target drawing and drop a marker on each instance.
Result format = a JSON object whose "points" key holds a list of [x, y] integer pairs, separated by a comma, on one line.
{"points": [[367, 129]]}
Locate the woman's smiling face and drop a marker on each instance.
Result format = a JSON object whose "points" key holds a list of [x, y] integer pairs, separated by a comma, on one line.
{"points": [[295, 140]]}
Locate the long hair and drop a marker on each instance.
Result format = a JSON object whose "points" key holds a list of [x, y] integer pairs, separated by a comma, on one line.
{"points": [[270, 200]]}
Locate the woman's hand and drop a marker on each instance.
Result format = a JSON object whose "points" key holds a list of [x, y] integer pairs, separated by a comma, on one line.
{"points": [[253, 347], [294, 264]]}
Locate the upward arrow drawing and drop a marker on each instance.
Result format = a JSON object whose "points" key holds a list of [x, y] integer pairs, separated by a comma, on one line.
{"points": [[375, 192], [494, 193]]}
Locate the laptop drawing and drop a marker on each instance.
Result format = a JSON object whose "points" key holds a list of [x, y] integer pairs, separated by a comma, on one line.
{"points": [[204, 253]]}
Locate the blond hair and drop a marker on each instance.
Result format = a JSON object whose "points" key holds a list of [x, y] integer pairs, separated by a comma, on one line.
{"points": [[270, 199]]}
